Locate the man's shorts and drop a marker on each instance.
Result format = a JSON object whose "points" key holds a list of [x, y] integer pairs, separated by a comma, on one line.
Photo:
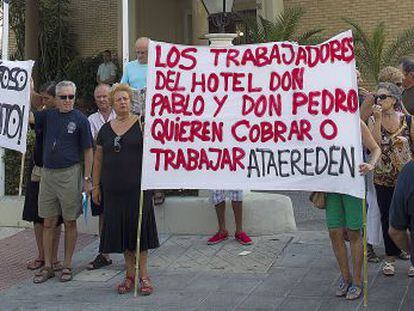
{"points": [[98, 210], [61, 193], [219, 196], [343, 211]]}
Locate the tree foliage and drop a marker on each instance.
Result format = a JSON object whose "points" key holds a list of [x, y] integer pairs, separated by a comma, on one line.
{"points": [[373, 52], [283, 28], [56, 41]]}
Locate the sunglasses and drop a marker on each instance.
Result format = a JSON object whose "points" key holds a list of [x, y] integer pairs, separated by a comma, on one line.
{"points": [[383, 96], [65, 97], [117, 144]]}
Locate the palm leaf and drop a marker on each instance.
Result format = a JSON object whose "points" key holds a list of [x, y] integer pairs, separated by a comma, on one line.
{"points": [[403, 45]]}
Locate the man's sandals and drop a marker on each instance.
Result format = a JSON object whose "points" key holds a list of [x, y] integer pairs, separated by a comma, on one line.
{"points": [[35, 264], [43, 275], [66, 275], [99, 262]]}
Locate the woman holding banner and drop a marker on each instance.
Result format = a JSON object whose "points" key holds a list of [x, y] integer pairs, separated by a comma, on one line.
{"points": [[118, 163], [394, 133], [345, 212], [30, 209]]}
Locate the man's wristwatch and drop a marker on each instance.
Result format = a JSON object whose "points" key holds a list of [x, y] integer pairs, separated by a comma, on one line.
{"points": [[87, 178]]}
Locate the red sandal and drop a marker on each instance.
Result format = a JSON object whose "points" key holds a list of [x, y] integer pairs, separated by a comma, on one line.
{"points": [[146, 286], [127, 285]]}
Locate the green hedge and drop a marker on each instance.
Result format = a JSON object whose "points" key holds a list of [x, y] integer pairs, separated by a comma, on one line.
{"points": [[12, 160]]}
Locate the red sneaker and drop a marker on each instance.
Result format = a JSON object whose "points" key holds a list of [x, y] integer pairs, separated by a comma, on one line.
{"points": [[243, 238], [218, 238]]}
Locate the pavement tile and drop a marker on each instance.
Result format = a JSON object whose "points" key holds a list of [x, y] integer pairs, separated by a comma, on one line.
{"points": [[238, 286], [380, 305], [221, 300], [296, 304], [280, 283], [340, 304], [256, 302], [386, 292]]}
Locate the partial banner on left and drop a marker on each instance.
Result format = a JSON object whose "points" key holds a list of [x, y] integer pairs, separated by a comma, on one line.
{"points": [[14, 103]]}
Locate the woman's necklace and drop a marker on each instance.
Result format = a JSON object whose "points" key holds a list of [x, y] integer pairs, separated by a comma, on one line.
{"points": [[123, 119]]}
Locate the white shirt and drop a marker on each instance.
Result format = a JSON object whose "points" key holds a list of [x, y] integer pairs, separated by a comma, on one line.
{"points": [[96, 120], [106, 70]]}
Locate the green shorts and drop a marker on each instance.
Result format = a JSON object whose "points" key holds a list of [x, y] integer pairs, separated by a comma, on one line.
{"points": [[60, 193], [343, 211]]}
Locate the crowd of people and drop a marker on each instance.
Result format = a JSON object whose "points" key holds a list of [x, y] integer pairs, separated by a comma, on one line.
{"points": [[102, 156]]}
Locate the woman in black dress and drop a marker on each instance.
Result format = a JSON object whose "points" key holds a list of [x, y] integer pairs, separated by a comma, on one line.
{"points": [[30, 209], [117, 164]]}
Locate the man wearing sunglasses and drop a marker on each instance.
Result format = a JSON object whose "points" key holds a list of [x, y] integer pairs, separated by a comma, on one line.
{"points": [[67, 139], [407, 68]]}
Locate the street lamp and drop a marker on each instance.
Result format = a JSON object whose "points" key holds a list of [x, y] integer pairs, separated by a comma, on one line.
{"points": [[220, 16]]}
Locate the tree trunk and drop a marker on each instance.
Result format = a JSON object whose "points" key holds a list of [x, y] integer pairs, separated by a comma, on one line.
{"points": [[31, 50]]}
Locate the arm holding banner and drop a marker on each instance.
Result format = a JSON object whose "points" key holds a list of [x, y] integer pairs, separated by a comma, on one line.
{"points": [[375, 123], [365, 111], [369, 142]]}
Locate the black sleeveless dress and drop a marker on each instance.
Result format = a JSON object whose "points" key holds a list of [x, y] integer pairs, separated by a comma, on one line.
{"points": [[121, 180]]}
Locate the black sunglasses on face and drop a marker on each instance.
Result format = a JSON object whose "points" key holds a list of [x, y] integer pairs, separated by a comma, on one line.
{"points": [[117, 143], [383, 96], [65, 97]]}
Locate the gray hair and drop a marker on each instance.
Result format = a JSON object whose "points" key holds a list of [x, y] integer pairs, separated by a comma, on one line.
{"points": [[63, 84], [407, 64], [101, 85], [394, 91]]}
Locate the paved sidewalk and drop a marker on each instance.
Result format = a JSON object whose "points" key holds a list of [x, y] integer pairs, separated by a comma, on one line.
{"points": [[294, 271]]}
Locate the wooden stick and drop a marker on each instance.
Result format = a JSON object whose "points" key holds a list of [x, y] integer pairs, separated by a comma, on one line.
{"points": [[364, 220], [22, 162], [141, 204]]}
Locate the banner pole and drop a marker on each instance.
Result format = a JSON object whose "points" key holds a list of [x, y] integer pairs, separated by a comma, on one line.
{"points": [[4, 56], [364, 219], [141, 204], [22, 162]]}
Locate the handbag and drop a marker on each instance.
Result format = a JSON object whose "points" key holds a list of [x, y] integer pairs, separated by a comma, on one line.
{"points": [[318, 199]]}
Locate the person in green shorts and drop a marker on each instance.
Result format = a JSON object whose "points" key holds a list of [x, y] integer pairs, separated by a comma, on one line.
{"points": [[344, 212]]}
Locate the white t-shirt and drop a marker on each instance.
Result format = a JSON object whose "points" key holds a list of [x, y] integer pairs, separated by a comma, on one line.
{"points": [[96, 120], [105, 71]]}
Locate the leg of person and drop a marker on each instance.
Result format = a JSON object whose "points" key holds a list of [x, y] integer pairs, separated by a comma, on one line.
{"points": [[47, 272], [236, 202], [127, 284], [219, 202], [354, 223], [40, 260], [69, 188], [57, 265], [144, 280], [101, 260], [49, 210], [402, 239], [107, 261], [70, 243], [384, 196], [335, 220]]}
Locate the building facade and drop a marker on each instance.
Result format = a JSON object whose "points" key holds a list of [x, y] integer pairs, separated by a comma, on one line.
{"points": [[98, 23]]}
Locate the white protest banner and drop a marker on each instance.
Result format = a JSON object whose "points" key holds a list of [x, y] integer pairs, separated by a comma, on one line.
{"points": [[14, 103], [274, 116]]}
